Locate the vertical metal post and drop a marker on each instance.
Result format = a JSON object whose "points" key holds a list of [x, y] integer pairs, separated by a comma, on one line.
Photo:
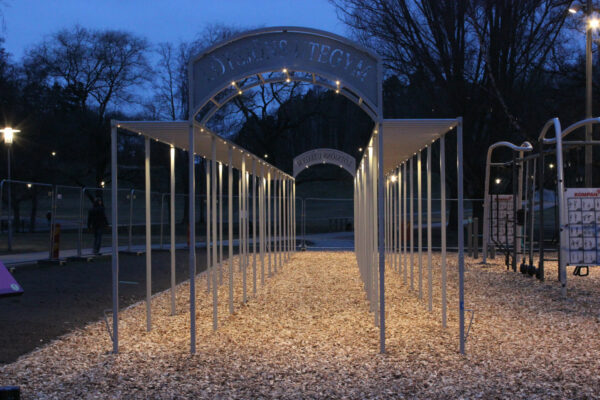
{"points": [[130, 229], [429, 244], [8, 148], [148, 236], [412, 230], [564, 247], [213, 178], [209, 269], [380, 182], [172, 222], [443, 224], [230, 223], [269, 218], [253, 225], [161, 225], [220, 223], [461, 244], [420, 223], [588, 97], [404, 223], [261, 211], [243, 228], [115, 236], [80, 227], [192, 229]]}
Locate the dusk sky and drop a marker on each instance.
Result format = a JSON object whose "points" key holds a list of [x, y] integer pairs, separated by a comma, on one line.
{"points": [[27, 22]]}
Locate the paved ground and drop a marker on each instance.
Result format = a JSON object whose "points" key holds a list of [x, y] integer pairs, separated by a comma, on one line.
{"points": [[59, 299]]}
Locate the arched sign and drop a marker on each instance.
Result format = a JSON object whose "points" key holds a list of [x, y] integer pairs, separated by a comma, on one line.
{"points": [[305, 50], [324, 156]]}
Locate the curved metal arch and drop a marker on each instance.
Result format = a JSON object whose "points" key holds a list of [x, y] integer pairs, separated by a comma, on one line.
{"points": [[324, 156], [342, 90], [299, 49], [524, 147]]}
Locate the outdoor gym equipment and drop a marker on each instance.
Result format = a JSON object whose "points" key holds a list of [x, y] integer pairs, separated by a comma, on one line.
{"points": [[577, 209]]}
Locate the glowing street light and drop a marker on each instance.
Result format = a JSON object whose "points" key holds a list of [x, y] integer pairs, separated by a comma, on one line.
{"points": [[8, 134]]}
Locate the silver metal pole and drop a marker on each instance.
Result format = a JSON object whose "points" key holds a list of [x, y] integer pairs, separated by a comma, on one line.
{"points": [[254, 226], [148, 237], [208, 238], [80, 227], [404, 224], [115, 236], [420, 223], [261, 210], [130, 229], [161, 226], [443, 224], [269, 219], [588, 98], [220, 223], [275, 221], [381, 255], [213, 179], [230, 223], [412, 230], [192, 228], [429, 244], [461, 239], [172, 221], [243, 228]]}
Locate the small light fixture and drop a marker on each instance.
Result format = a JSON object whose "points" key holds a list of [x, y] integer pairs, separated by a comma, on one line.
{"points": [[575, 7], [9, 134], [266, 156], [360, 149], [29, 186], [498, 180], [593, 22], [102, 184], [393, 178], [53, 154], [551, 166]]}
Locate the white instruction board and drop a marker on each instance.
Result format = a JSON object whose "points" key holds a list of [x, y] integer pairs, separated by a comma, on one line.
{"points": [[583, 220]]}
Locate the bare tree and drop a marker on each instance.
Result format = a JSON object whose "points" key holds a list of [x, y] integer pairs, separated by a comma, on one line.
{"points": [[483, 59], [97, 69]]}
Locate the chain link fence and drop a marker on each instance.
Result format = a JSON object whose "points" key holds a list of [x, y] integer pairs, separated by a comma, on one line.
{"points": [[43, 217]]}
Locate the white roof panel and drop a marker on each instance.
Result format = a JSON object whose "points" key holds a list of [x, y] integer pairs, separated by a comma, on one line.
{"points": [[403, 138], [176, 134]]}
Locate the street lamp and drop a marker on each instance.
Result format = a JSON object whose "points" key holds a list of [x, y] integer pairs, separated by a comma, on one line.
{"points": [[592, 23], [8, 135]]}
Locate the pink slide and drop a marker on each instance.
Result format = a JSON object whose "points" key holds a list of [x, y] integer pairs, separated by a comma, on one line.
{"points": [[8, 284]]}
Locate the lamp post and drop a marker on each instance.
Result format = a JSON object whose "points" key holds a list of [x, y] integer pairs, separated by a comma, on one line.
{"points": [[8, 135], [592, 22]]}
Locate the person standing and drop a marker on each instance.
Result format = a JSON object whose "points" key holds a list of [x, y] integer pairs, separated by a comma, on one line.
{"points": [[97, 222]]}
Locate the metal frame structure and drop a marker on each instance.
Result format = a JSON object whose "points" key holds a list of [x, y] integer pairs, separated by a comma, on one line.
{"points": [[270, 55], [404, 140], [557, 145]]}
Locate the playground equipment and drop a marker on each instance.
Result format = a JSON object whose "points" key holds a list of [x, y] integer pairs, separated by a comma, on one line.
{"points": [[577, 209]]}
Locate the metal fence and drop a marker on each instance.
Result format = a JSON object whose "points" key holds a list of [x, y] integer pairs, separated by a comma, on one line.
{"points": [[39, 209]]}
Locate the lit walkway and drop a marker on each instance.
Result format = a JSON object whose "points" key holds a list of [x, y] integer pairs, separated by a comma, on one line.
{"points": [[308, 333]]}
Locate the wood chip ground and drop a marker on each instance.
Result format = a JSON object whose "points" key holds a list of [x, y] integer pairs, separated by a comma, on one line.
{"points": [[308, 333]]}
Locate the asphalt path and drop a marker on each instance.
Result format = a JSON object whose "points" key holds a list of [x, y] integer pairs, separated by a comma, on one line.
{"points": [[59, 299]]}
